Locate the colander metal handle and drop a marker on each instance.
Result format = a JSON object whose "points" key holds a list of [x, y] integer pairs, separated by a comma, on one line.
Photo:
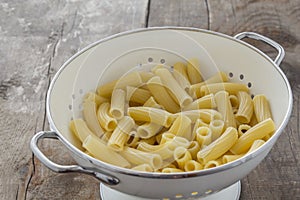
{"points": [[265, 39], [108, 179]]}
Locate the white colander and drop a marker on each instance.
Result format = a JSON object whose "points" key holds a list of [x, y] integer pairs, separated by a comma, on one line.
{"points": [[141, 49]]}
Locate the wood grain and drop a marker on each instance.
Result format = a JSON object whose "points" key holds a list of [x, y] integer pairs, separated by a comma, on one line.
{"points": [[37, 37]]}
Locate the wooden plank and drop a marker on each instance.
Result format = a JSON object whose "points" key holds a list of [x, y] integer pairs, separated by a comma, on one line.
{"points": [[184, 13], [36, 38]]}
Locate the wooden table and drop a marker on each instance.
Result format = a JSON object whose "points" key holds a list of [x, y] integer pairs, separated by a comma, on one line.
{"points": [[37, 37]]}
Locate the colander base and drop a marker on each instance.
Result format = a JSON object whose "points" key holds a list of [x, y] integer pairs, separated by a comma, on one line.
{"points": [[230, 193]]}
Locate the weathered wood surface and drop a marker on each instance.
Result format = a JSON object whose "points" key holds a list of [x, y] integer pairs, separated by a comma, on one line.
{"points": [[37, 37]]}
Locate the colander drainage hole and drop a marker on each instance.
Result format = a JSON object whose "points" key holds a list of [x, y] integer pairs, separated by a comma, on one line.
{"points": [[150, 59], [194, 193], [162, 61], [178, 196], [241, 76], [70, 107], [73, 96], [230, 74], [249, 85]]}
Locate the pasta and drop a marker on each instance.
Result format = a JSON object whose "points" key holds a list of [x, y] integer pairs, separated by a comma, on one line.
{"points": [[219, 146], [121, 134], [217, 78], [90, 117], [170, 120], [193, 71], [117, 103], [161, 95], [169, 81], [224, 107], [104, 117], [245, 110], [258, 131], [100, 151]]}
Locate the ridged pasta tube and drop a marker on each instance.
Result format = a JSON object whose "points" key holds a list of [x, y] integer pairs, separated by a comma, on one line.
{"points": [[182, 69], [243, 128], [161, 95], [182, 81], [182, 97], [256, 132], [90, 116], [255, 145], [193, 71], [207, 101], [152, 103], [104, 117], [192, 165], [121, 134], [137, 95], [193, 149], [213, 163], [138, 157], [143, 168], [230, 158], [148, 114], [220, 146], [182, 127], [216, 127], [193, 115], [91, 96], [132, 79], [80, 129], [231, 88], [261, 108], [217, 78], [224, 107], [117, 105], [171, 170], [245, 109], [148, 130], [203, 136], [100, 151], [181, 156]]}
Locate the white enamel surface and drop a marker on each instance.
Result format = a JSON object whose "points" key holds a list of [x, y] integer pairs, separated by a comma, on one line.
{"points": [[82, 74]]}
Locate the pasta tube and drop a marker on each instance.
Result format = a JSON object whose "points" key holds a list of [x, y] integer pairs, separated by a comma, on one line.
{"points": [[212, 164], [148, 130], [148, 114], [255, 145], [91, 96], [145, 76], [193, 115], [138, 157], [230, 158], [169, 81], [121, 134], [161, 95], [207, 101], [193, 149], [256, 132], [182, 69], [234, 101], [181, 127], [152, 103], [220, 146], [192, 165], [224, 107], [143, 168], [104, 117], [217, 78], [182, 81], [203, 136], [193, 71], [245, 109], [243, 128], [90, 116], [100, 151], [216, 127], [171, 170], [80, 129], [181, 156], [117, 105], [231, 88], [261, 108], [132, 79], [137, 95]]}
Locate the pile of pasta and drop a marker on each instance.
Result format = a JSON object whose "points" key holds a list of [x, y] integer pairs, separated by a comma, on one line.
{"points": [[171, 120]]}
